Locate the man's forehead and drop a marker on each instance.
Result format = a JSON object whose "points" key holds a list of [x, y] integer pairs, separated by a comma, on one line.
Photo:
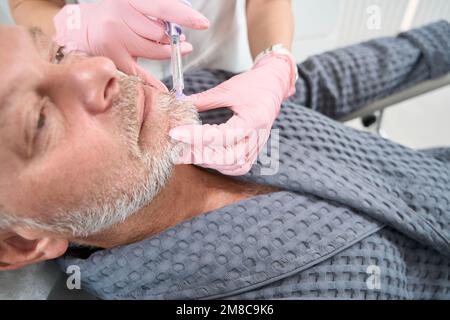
{"points": [[15, 42], [11, 36]]}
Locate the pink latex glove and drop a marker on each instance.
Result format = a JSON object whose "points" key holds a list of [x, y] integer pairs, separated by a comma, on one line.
{"points": [[122, 31], [255, 97]]}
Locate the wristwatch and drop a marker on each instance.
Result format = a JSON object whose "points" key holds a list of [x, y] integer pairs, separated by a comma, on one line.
{"points": [[279, 49]]}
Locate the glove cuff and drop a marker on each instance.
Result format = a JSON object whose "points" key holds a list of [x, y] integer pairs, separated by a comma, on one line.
{"points": [[281, 52]]}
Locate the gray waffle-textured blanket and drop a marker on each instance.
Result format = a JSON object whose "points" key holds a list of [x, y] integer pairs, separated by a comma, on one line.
{"points": [[361, 217]]}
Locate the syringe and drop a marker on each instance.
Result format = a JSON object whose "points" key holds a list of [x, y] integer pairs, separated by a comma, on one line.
{"points": [[174, 32]]}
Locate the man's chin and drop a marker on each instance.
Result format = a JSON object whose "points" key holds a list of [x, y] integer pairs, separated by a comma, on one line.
{"points": [[164, 115]]}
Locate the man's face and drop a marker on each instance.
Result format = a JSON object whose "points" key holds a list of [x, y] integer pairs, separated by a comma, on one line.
{"points": [[74, 135]]}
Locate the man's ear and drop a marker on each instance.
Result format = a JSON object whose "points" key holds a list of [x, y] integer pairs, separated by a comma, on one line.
{"points": [[22, 246]]}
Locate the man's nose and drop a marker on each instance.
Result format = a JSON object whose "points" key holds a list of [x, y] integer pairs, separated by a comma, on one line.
{"points": [[94, 83]]}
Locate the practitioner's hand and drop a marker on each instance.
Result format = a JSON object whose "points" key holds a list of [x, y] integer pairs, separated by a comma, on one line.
{"points": [[124, 30], [255, 97]]}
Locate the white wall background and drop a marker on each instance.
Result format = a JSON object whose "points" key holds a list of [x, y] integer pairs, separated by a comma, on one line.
{"points": [[327, 24]]}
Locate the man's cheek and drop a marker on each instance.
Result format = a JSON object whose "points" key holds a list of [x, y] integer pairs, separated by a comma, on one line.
{"points": [[73, 176], [58, 189]]}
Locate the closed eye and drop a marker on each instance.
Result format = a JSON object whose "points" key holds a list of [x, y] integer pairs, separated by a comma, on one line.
{"points": [[41, 119], [39, 123]]}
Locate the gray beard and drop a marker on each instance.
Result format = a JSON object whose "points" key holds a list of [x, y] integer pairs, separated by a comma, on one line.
{"points": [[159, 165], [107, 210]]}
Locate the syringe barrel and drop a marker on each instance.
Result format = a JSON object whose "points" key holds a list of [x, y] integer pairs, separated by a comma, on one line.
{"points": [[177, 69]]}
